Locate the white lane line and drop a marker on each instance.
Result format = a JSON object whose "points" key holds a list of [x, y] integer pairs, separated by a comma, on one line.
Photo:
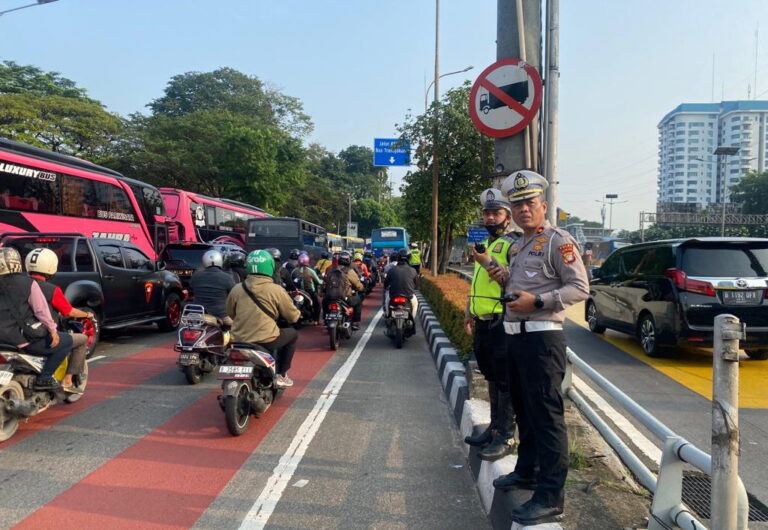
{"points": [[96, 358], [637, 438], [261, 511]]}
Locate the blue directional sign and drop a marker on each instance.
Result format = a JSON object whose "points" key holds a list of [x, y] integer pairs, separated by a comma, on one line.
{"points": [[391, 152], [475, 235]]}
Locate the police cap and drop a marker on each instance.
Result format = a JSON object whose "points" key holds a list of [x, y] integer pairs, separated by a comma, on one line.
{"points": [[523, 184]]}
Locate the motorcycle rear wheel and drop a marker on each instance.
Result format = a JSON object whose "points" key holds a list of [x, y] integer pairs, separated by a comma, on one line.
{"points": [[237, 410], [399, 337], [333, 334], [193, 373], [80, 381], [8, 423]]}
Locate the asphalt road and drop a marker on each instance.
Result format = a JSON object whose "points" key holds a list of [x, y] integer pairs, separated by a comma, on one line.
{"points": [[144, 449]]}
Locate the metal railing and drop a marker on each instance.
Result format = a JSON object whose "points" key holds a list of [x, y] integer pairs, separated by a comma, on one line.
{"points": [[730, 505]]}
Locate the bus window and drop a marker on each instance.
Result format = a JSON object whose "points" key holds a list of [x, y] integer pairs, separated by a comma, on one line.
{"points": [[18, 192], [210, 218], [95, 199], [150, 201]]}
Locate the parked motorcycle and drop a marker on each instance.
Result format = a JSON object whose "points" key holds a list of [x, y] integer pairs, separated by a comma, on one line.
{"points": [[400, 323], [248, 384], [303, 302], [338, 318], [201, 343], [18, 398]]}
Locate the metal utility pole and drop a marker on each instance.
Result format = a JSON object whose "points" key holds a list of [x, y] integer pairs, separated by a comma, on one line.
{"points": [[552, 102], [723, 152], [39, 2], [518, 34], [435, 157], [610, 199]]}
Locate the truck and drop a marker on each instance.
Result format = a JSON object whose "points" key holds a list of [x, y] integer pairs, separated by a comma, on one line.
{"points": [[112, 278]]}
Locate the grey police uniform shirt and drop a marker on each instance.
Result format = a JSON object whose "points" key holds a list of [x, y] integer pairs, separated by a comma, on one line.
{"points": [[548, 264]]}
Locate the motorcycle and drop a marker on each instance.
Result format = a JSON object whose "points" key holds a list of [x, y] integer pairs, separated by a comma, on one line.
{"points": [[303, 302], [201, 343], [338, 318], [367, 286], [18, 397], [248, 384], [399, 322]]}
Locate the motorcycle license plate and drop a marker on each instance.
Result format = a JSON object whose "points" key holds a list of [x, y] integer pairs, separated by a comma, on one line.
{"points": [[235, 372], [400, 314], [333, 316], [5, 378], [188, 358]]}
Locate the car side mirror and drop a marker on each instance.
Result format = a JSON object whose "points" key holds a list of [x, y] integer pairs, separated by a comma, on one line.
{"points": [[160, 265], [595, 272]]}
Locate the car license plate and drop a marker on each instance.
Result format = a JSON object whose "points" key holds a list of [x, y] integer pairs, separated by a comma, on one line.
{"points": [[188, 358], [5, 378], [752, 297], [235, 372], [400, 314]]}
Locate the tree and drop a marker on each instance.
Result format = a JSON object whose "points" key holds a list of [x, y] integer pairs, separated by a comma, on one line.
{"points": [[50, 111], [465, 158], [752, 192], [371, 214]]}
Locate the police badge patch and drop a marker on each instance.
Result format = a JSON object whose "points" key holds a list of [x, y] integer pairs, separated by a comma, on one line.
{"points": [[521, 181], [498, 247], [569, 256], [489, 196]]}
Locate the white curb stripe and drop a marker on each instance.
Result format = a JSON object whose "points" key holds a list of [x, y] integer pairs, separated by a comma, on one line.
{"points": [[262, 509]]}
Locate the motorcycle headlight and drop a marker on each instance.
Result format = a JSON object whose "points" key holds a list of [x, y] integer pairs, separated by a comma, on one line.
{"points": [[298, 298]]}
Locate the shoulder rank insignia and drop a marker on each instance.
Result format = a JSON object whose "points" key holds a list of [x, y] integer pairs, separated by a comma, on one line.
{"points": [[541, 239]]}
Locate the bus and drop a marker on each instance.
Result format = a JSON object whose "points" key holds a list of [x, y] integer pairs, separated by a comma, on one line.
{"points": [[286, 234], [337, 243], [354, 243], [43, 191], [204, 219], [384, 241]]}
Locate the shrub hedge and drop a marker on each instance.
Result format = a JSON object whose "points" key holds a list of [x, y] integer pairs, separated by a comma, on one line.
{"points": [[447, 294]]}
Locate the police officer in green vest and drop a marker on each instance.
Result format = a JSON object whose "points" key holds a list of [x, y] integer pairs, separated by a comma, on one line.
{"points": [[484, 313], [415, 259]]}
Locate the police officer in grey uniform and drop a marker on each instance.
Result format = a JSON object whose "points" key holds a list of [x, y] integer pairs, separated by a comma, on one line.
{"points": [[546, 275]]}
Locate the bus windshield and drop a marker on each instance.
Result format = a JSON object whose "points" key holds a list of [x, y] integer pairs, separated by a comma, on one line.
{"points": [[286, 234]]}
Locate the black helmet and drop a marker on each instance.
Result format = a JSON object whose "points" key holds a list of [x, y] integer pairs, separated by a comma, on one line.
{"points": [[403, 254], [294, 254], [345, 258], [324, 254], [275, 253], [368, 254]]}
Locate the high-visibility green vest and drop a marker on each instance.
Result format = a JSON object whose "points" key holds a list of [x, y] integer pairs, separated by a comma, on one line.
{"points": [[483, 285], [415, 258]]}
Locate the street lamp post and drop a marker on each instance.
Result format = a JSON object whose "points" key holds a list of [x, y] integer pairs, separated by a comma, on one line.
{"points": [[39, 2], [435, 158], [723, 152], [426, 92]]}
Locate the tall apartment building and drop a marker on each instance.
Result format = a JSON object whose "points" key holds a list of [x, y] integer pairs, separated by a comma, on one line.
{"points": [[688, 171]]}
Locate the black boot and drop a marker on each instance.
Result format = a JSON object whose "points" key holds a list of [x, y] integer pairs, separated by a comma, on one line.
{"points": [[500, 446], [515, 480], [538, 510], [480, 440]]}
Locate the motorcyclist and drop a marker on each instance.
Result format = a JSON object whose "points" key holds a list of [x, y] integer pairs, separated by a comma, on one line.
{"points": [[281, 275], [255, 306], [370, 262], [21, 301], [415, 259], [41, 264], [211, 286], [361, 267], [293, 260], [309, 281], [323, 263], [352, 287], [401, 280]]}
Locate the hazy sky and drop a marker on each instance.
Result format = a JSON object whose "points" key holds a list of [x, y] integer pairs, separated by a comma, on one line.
{"points": [[358, 66]]}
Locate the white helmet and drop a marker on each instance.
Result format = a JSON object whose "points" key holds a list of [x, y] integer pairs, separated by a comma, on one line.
{"points": [[493, 199], [43, 261], [213, 258], [10, 261]]}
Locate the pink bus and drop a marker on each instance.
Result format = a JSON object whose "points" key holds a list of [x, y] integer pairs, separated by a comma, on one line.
{"points": [[43, 191], [204, 219]]}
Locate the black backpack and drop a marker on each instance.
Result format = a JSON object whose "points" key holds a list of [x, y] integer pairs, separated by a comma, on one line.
{"points": [[335, 284]]}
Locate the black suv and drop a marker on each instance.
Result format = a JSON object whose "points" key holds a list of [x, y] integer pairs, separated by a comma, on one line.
{"points": [[185, 257], [669, 292], [112, 278]]}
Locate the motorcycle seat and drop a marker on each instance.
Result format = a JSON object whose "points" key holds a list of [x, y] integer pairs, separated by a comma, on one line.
{"points": [[9, 347], [212, 320], [251, 346]]}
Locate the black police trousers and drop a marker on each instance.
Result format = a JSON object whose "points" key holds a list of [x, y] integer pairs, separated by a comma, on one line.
{"points": [[490, 347], [537, 368]]}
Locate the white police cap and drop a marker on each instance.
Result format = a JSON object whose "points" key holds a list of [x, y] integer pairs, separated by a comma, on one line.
{"points": [[493, 199], [523, 184]]}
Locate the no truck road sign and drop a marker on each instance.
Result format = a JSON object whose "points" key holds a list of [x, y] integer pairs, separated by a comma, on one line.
{"points": [[505, 98]]}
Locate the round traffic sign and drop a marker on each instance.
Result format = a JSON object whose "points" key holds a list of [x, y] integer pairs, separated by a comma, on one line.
{"points": [[505, 98]]}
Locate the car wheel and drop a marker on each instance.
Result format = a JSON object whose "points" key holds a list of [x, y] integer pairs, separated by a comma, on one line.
{"points": [[649, 336], [757, 355], [592, 318], [172, 313]]}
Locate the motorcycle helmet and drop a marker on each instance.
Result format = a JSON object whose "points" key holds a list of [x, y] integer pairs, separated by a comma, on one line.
{"points": [[42, 261], [10, 261], [304, 259], [275, 253], [403, 254], [324, 255], [260, 262], [345, 259], [413, 245], [294, 254], [213, 258], [357, 257], [367, 254]]}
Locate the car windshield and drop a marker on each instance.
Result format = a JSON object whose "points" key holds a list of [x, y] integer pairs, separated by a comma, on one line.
{"points": [[742, 260], [187, 257]]}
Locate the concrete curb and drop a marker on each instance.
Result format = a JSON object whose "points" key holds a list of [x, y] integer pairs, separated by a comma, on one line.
{"points": [[472, 416]]}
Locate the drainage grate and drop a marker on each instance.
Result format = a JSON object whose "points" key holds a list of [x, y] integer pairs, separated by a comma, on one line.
{"points": [[696, 495]]}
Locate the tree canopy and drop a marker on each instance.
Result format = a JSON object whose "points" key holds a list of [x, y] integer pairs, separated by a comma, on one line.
{"points": [[752, 192]]}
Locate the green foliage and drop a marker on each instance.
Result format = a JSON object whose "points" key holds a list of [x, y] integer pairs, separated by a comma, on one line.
{"points": [[49, 111], [752, 192], [447, 295], [464, 158], [371, 214], [658, 232]]}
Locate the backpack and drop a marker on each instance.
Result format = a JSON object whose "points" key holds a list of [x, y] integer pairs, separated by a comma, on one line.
{"points": [[335, 284]]}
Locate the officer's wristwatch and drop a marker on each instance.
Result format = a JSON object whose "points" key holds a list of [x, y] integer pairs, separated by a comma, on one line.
{"points": [[538, 303]]}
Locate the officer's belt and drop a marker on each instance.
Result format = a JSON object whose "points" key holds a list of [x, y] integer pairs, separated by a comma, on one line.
{"points": [[528, 326], [492, 316]]}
